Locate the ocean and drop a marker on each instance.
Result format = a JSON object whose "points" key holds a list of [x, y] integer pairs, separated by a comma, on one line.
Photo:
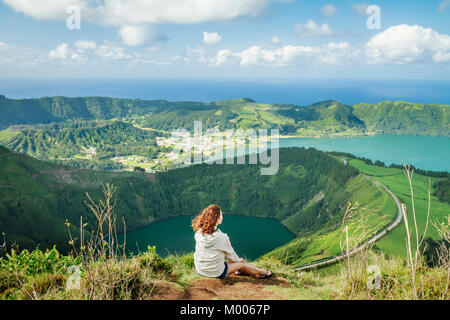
{"points": [[301, 92]]}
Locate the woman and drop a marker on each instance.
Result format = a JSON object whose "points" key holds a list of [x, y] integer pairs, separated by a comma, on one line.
{"points": [[213, 247]]}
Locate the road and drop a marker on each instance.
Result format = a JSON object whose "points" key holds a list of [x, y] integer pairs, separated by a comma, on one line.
{"points": [[380, 234]]}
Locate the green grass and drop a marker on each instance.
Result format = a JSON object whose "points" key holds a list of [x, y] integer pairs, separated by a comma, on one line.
{"points": [[6, 135], [396, 181], [325, 242], [44, 276]]}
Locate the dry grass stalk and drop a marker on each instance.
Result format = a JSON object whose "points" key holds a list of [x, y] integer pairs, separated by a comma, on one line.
{"points": [[102, 248], [443, 252], [358, 232], [414, 258]]}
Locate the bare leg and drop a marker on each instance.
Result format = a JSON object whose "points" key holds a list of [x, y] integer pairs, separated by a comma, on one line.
{"points": [[246, 268]]}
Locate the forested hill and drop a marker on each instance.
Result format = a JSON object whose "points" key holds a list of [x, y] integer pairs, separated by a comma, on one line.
{"points": [[405, 117], [37, 197], [323, 118], [106, 139], [54, 109]]}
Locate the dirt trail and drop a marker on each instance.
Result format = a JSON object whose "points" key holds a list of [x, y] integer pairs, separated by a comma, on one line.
{"points": [[232, 288]]}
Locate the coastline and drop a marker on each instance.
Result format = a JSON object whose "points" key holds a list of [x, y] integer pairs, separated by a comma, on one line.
{"points": [[369, 134]]}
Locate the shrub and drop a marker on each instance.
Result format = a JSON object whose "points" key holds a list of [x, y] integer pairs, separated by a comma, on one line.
{"points": [[152, 260]]}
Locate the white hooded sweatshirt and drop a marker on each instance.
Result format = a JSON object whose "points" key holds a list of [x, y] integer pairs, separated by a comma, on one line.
{"points": [[211, 252]]}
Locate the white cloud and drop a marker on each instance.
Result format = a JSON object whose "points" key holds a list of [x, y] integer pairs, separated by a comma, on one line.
{"points": [[138, 35], [82, 52], [401, 44], [276, 40], [133, 35], [85, 45], [222, 57], [338, 53], [252, 55], [109, 52], [444, 5], [45, 9], [88, 51], [153, 49], [66, 54], [328, 10], [360, 8], [196, 55], [132, 15], [312, 29], [136, 12], [20, 57], [331, 54], [405, 44], [211, 37], [61, 52]]}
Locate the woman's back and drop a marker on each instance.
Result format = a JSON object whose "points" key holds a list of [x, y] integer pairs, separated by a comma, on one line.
{"points": [[212, 247], [211, 250]]}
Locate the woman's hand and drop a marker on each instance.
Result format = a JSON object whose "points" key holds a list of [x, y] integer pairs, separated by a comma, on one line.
{"points": [[242, 260]]}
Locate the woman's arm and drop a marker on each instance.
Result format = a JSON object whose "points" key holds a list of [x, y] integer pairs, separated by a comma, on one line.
{"points": [[228, 249]]}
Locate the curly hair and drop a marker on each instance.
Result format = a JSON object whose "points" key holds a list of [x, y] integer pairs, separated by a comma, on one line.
{"points": [[206, 221]]}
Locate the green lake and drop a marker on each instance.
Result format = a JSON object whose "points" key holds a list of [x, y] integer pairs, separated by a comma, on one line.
{"points": [[250, 237]]}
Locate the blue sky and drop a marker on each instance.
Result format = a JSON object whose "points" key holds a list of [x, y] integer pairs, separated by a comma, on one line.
{"points": [[225, 39]]}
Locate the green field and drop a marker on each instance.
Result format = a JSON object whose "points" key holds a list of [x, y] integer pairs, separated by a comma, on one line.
{"points": [[325, 242], [396, 181]]}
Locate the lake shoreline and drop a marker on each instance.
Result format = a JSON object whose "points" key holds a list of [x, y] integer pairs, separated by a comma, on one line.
{"points": [[318, 136]]}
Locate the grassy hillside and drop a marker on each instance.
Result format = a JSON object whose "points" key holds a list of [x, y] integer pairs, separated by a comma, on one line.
{"points": [[146, 276], [328, 117], [325, 242], [322, 244], [37, 197], [396, 181], [95, 142], [402, 117], [54, 109]]}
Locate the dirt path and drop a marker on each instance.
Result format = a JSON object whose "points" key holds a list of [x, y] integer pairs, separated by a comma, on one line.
{"points": [[232, 288]]}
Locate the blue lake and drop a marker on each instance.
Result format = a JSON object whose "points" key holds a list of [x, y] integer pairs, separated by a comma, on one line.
{"points": [[424, 152]]}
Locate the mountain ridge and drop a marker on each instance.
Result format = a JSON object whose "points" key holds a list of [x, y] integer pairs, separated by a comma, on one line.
{"points": [[322, 118]]}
